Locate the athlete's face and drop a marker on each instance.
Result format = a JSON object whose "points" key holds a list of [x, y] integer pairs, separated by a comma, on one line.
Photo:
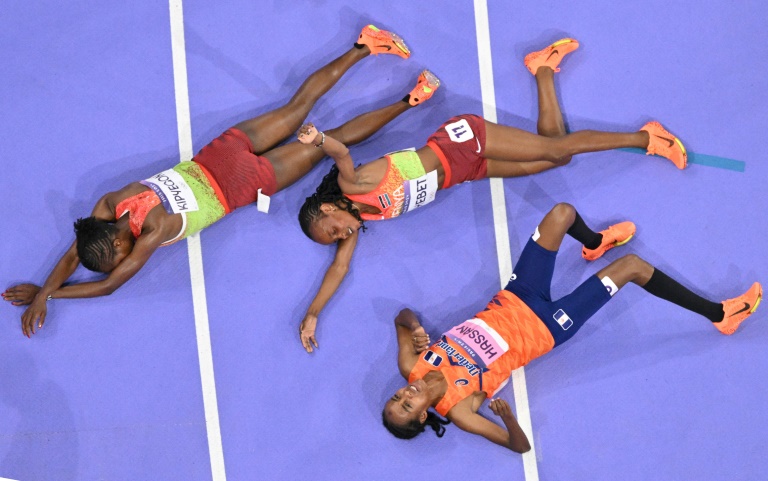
{"points": [[334, 225], [409, 403]]}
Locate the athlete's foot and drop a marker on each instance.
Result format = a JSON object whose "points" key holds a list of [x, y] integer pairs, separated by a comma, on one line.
{"points": [[615, 235], [550, 56], [424, 89], [662, 143], [739, 308], [381, 41]]}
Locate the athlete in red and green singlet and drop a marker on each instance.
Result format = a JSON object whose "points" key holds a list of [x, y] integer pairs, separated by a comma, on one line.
{"points": [[239, 167], [465, 148]]}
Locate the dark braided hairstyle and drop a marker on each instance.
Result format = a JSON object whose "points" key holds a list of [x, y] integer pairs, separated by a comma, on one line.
{"points": [[414, 428], [327, 192], [94, 242]]}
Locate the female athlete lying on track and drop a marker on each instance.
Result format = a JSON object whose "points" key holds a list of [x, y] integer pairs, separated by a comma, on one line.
{"points": [[238, 167], [473, 360], [465, 148]]}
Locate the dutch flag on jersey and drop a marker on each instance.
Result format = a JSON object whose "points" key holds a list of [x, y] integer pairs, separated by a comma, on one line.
{"points": [[433, 358]]}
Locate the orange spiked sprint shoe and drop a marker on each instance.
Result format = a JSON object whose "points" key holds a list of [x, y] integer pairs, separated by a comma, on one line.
{"points": [[424, 89], [382, 41], [665, 144], [739, 308], [615, 235], [551, 56]]}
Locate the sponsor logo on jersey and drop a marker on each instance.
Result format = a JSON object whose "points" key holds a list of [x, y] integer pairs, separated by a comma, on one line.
{"points": [[455, 358], [461, 382]]}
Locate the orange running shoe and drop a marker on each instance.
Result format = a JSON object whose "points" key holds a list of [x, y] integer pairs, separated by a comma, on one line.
{"points": [[665, 144], [425, 88], [381, 41], [739, 308], [615, 235], [551, 56]]}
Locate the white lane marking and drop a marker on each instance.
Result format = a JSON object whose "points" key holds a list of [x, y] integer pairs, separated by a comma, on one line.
{"points": [[500, 225], [200, 304]]}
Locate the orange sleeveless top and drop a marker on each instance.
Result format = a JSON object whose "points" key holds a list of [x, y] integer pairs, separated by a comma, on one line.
{"points": [[481, 353], [137, 207]]}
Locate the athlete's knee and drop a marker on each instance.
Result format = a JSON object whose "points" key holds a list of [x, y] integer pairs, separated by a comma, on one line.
{"points": [[635, 264], [557, 151], [563, 213]]}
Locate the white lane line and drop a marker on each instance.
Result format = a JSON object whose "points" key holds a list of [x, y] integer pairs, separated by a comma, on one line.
{"points": [[500, 225], [7, 479], [204, 353]]}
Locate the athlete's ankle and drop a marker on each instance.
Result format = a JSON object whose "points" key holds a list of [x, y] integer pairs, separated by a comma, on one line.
{"points": [[363, 48], [645, 139]]}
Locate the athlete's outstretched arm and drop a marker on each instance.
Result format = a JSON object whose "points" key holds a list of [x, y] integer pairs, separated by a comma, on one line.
{"points": [[412, 340], [331, 282], [34, 315], [512, 438], [308, 134]]}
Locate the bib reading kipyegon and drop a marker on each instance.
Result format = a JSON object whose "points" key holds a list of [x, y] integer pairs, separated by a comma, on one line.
{"points": [[175, 194]]}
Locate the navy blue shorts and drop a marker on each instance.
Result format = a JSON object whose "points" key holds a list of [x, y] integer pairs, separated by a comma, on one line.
{"points": [[531, 282]]}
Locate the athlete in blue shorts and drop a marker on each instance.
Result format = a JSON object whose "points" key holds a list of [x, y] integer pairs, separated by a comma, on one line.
{"points": [[532, 278], [522, 324]]}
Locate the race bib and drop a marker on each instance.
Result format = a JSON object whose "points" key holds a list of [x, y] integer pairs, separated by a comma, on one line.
{"points": [[420, 192], [480, 340], [173, 191], [460, 131]]}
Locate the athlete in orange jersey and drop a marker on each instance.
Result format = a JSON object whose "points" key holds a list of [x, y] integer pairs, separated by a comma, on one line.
{"points": [[239, 167], [472, 361], [464, 148]]}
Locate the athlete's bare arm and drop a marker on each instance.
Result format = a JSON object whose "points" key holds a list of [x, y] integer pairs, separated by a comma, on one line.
{"points": [[512, 438], [37, 297], [412, 340], [308, 134], [331, 282]]}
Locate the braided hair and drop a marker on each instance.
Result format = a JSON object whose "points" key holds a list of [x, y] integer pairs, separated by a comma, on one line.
{"points": [[94, 242], [327, 192], [414, 427]]}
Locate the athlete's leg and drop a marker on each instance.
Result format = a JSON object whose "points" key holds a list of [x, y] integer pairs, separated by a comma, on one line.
{"points": [[513, 152], [293, 160], [532, 276], [271, 128], [267, 130], [550, 122], [632, 268]]}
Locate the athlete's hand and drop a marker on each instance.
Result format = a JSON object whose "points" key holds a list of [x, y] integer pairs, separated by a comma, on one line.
{"points": [[307, 134], [420, 340], [35, 314], [21, 295], [500, 408], [307, 332]]}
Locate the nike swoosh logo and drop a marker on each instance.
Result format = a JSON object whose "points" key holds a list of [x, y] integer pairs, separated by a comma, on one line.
{"points": [[671, 141], [553, 52], [746, 307], [478, 146], [388, 47]]}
